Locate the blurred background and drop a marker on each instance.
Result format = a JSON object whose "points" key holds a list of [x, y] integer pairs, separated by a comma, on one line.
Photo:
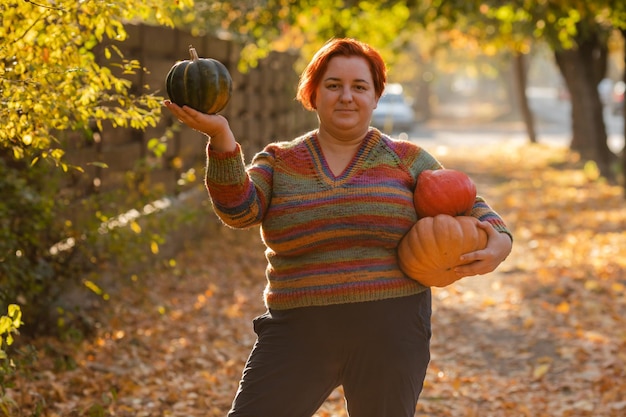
{"points": [[98, 184]]}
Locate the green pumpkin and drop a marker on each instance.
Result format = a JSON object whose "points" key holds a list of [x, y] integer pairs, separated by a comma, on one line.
{"points": [[200, 83]]}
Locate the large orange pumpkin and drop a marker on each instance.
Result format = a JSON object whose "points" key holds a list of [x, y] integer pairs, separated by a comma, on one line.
{"points": [[431, 249], [444, 191]]}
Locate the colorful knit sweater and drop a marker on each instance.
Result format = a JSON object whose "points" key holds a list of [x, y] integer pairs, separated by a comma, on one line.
{"points": [[330, 239]]}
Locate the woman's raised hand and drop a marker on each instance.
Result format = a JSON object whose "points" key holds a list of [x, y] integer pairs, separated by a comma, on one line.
{"points": [[215, 126]]}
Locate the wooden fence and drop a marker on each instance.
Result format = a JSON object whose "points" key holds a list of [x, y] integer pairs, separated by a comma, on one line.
{"points": [[262, 109]]}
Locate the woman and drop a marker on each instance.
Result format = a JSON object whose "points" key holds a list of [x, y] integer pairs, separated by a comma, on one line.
{"points": [[333, 205]]}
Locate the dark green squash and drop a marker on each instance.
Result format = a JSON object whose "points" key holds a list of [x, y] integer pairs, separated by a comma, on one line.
{"points": [[200, 83]]}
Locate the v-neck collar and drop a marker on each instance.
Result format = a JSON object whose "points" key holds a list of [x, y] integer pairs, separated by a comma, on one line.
{"points": [[321, 165]]}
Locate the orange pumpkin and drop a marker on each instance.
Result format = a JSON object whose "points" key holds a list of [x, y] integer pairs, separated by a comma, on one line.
{"points": [[444, 191], [430, 251]]}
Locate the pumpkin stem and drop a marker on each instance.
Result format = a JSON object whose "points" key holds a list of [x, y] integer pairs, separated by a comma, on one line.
{"points": [[193, 53]]}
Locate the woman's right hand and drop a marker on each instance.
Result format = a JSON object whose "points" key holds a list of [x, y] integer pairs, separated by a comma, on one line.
{"points": [[214, 126]]}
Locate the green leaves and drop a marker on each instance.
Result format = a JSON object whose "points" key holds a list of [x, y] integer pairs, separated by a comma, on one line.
{"points": [[52, 81], [303, 25], [8, 326]]}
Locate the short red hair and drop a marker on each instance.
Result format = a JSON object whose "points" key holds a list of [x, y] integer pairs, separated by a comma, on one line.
{"points": [[312, 75]]}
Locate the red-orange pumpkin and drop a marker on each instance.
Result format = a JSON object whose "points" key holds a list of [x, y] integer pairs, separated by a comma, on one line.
{"points": [[431, 249], [444, 191]]}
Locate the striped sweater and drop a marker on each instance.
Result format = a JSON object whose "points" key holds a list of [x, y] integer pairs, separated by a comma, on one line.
{"points": [[330, 239]]}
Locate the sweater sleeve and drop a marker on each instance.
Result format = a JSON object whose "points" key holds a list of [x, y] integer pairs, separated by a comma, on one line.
{"points": [[483, 212], [239, 194], [422, 160]]}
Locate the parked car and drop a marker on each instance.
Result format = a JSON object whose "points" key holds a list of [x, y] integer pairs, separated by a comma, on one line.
{"points": [[605, 90], [394, 111], [618, 98]]}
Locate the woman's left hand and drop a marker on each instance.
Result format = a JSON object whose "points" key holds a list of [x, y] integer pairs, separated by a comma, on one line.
{"points": [[486, 260]]}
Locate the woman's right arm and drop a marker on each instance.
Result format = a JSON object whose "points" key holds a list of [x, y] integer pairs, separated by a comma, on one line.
{"points": [[240, 197]]}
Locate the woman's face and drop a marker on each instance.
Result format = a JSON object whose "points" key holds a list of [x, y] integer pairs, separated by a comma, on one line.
{"points": [[346, 98]]}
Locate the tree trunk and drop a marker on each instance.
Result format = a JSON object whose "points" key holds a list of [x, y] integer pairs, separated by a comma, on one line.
{"points": [[519, 69], [423, 100], [582, 70], [624, 116]]}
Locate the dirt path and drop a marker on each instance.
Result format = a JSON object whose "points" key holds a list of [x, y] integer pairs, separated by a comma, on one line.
{"points": [[530, 339], [542, 336]]}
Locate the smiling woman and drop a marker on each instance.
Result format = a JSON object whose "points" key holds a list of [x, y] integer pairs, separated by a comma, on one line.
{"points": [[344, 100], [333, 205]]}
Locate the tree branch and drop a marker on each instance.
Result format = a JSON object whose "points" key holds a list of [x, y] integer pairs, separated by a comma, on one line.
{"points": [[44, 6]]}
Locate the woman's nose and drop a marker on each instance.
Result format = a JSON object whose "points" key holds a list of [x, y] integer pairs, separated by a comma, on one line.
{"points": [[346, 94]]}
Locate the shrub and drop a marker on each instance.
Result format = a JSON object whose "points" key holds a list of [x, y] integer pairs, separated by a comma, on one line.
{"points": [[54, 266], [9, 326], [27, 230]]}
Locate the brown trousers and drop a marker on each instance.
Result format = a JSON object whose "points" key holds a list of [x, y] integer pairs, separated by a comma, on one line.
{"points": [[379, 351]]}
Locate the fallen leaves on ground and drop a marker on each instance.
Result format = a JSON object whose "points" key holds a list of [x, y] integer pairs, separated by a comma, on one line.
{"points": [[543, 336]]}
